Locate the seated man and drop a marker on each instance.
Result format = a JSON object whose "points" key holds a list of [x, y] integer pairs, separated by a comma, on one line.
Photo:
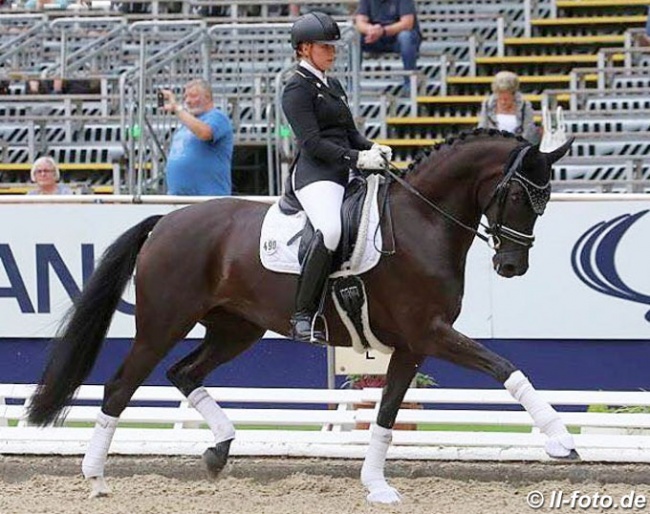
{"points": [[390, 26]]}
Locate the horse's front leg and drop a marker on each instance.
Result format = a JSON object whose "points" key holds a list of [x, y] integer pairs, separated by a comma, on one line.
{"points": [[401, 370], [455, 347]]}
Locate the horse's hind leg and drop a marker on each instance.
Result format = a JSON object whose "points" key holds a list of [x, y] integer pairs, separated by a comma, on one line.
{"points": [[153, 341], [455, 347], [138, 364], [226, 337]]}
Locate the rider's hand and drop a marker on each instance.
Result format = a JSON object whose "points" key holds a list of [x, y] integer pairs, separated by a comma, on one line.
{"points": [[371, 159], [386, 151]]}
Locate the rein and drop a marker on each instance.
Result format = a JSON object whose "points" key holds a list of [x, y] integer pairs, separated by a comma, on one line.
{"points": [[498, 231], [392, 171]]}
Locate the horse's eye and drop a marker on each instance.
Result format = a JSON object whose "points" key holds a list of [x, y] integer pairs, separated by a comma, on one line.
{"points": [[516, 197]]}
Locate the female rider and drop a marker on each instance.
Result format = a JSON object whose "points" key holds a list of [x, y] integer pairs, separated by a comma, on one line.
{"points": [[329, 145]]}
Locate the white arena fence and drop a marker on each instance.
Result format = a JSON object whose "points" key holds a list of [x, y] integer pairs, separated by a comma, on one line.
{"points": [[322, 423]]}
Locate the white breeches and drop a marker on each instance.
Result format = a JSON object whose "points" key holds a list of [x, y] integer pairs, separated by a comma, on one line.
{"points": [[322, 202]]}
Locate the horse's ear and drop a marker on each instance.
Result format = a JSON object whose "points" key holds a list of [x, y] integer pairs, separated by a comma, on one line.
{"points": [[559, 152]]}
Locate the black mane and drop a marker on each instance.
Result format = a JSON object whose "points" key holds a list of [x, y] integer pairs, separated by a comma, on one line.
{"points": [[477, 132]]}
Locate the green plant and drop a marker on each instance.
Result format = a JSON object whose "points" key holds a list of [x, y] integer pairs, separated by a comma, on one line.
{"points": [[624, 409], [420, 380]]}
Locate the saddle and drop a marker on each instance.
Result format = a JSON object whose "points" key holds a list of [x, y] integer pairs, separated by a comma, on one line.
{"points": [[346, 288], [351, 213]]}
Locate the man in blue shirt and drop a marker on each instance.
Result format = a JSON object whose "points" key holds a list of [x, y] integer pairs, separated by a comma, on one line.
{"points": [[200, 156], [390, 26]]}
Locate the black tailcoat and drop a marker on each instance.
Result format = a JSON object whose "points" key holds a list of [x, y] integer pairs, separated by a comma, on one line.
{"points": [[328, 139]]}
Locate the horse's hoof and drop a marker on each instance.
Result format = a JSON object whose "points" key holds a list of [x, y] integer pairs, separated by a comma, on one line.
{"points": [[573, 455], [98, 487], [561, 447], [216, 458], [386, 495]]}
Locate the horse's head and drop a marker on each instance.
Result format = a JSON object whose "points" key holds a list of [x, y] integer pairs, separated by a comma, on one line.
{"points": [[519, 198]]}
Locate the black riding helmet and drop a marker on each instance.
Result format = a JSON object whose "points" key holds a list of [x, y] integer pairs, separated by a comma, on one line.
{"points": [[314, 27]]}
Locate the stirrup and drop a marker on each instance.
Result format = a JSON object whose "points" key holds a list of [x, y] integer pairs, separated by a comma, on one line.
{"points": [[303, 328], [325, 332]]}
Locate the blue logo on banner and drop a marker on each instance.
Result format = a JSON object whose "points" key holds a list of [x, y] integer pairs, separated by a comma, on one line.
{"points": [[593, 259], [47, 259]]}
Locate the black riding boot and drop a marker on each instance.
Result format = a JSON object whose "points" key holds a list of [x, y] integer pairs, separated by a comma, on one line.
{"points": [[313, 277]]}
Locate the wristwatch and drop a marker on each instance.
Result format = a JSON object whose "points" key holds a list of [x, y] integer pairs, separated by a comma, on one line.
{"points": [[179, 109]]}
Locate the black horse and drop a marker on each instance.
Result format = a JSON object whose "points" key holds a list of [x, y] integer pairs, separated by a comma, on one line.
{"points": [[200, 264]]}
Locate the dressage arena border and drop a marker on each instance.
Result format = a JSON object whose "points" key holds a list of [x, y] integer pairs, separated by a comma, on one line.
{"points": [[333, 411], [15, 468]]}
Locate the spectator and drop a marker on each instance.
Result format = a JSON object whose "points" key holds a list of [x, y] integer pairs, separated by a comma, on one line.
{"points": [[34, 87], [45, 173], [200, 156], [506, 109], [329, 145], [390, 26], [57, 86]]}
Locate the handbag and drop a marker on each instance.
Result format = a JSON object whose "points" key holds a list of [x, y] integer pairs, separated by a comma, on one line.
{"points": [[553, 136]]}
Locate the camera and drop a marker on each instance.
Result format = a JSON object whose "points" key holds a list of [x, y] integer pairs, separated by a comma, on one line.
{"points": [[161, 99]]}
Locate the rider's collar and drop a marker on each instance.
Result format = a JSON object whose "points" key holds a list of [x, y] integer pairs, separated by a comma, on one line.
{"points": [[313, 70]]}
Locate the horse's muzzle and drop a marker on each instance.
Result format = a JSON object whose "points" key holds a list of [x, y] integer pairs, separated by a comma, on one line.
{"points": [[511, 264]]}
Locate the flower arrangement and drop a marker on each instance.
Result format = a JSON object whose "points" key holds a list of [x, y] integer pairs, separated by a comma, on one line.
{"points": [[420, 380]]}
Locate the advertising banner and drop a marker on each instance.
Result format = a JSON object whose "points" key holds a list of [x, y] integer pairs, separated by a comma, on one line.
{"points": [[588, 276]]}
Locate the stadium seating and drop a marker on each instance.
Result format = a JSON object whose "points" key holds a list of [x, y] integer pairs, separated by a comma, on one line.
{"points": [[581, 54]]}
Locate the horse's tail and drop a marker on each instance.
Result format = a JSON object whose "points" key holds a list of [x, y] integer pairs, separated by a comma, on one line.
{"points": [[84, 327]]}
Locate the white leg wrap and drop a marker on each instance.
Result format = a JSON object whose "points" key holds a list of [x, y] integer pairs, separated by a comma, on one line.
{"points": [[95, 458], [372, 471], [544, 416], [221, 426]]}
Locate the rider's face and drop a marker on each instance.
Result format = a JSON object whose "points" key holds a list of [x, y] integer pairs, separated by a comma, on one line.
{"points": [[321, 56]]}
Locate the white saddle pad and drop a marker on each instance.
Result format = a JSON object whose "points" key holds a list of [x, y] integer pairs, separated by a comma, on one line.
{"points": [[278, 229]]}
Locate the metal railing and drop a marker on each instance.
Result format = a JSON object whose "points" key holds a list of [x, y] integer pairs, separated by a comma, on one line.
{"points": [[98, 55]]}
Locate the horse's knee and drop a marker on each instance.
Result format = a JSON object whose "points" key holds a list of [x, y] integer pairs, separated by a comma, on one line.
{"points": [[182, 380]]}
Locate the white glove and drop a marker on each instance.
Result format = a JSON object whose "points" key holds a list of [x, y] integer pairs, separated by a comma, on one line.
{"points": [[386, 151], [371, 159]]}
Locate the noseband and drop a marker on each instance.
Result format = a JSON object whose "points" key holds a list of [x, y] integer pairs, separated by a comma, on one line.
{"points": [[538, 197]]}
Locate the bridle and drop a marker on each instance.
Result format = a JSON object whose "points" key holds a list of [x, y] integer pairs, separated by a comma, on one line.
{"points": [[538, 196]]}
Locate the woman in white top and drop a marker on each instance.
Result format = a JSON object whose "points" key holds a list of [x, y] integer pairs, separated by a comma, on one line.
{"points": [[506, 109], [45, 173]]}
